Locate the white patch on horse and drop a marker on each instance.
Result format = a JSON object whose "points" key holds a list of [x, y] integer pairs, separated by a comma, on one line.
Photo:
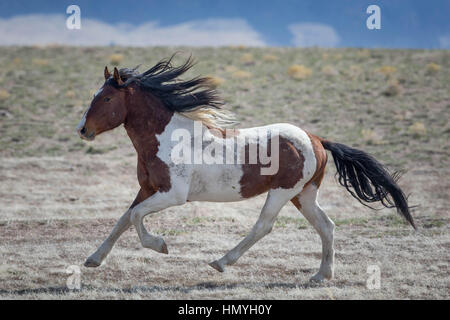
{"points": [[82, 121], [206, 182]]}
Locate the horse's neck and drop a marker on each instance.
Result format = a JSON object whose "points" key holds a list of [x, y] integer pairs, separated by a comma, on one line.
{"points": [[146, 118]]}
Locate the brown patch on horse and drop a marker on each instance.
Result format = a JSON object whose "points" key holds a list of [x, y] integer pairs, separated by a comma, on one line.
{"points": [[321, 160], [141, 196], [146, 118], [290, 171], [296, 202]]}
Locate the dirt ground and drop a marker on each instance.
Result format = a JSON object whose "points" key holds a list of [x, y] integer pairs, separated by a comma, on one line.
{"points": [[60, 197]]}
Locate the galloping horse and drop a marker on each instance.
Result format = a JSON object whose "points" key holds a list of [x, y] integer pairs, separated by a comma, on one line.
{"points": [[155, 104]]}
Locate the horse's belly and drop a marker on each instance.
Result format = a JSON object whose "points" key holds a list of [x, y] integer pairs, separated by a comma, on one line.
{"points": [[216, 183]]}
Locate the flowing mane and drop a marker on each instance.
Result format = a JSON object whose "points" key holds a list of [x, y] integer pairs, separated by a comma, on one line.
{"points": [[194, 98]]}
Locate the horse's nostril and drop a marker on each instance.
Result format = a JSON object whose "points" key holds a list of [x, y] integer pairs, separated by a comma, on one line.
{"points": [[83, 130]]}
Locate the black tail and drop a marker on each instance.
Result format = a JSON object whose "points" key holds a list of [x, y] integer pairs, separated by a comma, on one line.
{"points": [[367, 180]]}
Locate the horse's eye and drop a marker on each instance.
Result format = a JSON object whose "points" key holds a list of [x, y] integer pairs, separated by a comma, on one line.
{"points": [[107, 99]]}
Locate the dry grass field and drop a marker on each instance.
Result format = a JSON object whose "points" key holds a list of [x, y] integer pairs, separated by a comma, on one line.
{"points": [[60, 196]]}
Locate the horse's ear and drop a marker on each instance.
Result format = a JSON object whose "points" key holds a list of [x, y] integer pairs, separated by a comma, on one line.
{"points": [[117, 77], [107, 74]]}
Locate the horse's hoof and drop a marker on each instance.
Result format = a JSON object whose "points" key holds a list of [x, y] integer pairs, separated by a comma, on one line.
{"points": [[91, 263], [319, 277], [217, 266]]}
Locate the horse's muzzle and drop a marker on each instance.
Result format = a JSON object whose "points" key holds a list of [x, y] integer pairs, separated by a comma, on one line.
{"points": [[84, 134]]}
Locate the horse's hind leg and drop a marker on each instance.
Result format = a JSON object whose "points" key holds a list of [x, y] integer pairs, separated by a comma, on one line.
{"points": [[306, 202], [276, 199]]}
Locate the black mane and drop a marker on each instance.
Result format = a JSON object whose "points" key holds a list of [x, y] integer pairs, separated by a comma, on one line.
{"points": [[177, 95]]}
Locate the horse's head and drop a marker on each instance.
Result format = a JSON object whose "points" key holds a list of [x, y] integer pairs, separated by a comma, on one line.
{"points": [[108, 108]]}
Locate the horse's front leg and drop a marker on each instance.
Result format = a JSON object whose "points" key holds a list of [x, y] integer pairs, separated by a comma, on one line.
{"points": [[157, 202], [121, 226], [103, 250]]}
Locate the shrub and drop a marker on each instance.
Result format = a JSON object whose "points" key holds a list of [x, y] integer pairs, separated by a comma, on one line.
{"points": [[270, 58], [364, 53], [393, 89], [214, 81], [299, 72], [247, 58], [240, 74], [70, 94], [230, 69], [433, 68], [371, 137], [388, 71], [4, 94], [417, 129], [116, 59], [40, 62]]}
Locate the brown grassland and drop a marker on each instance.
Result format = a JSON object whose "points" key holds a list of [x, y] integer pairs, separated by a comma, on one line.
{"points": [[60, 196]]}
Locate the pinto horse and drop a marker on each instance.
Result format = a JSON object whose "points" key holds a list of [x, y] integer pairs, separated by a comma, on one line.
{"points": [[155, 104]]}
